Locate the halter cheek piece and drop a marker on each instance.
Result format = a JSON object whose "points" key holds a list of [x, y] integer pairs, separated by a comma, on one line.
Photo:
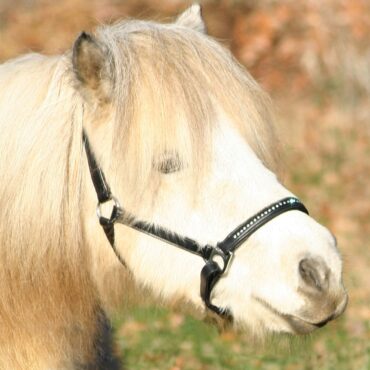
{"points": [[217, 258]]}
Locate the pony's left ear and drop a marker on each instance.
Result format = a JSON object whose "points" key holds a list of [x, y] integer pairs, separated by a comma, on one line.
{"points": [[90, 62], [192, 18]]}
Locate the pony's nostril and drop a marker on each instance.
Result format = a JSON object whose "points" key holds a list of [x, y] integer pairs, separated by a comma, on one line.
{"points": [[314, 273]]}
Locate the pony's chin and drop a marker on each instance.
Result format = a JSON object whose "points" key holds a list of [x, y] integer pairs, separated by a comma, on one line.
{"points": [[278, 322], [286, 324], [301, 326], [268, 319], [295, 323]]}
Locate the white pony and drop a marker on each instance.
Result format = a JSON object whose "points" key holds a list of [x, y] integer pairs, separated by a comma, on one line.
{"points": [[184, 137]]}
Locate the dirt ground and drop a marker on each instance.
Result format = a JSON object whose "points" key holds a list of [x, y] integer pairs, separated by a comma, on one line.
{"points": [[312, 57]]}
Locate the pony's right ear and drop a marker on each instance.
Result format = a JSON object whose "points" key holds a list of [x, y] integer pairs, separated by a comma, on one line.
{"points": [[91, 66], [192, 18]]}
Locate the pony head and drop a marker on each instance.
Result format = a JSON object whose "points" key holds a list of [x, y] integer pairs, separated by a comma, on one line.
{"points": [[185, 138]]}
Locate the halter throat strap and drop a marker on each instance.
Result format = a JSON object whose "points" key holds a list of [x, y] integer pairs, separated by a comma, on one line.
{"points": [[217, 258]]}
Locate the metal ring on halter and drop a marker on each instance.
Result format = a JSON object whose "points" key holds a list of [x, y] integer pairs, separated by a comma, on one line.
{"points": [[226, 258], [115, 205]]}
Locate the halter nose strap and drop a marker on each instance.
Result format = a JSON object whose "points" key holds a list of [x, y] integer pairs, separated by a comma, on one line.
{"points": [[217, 258], [212, 271]]}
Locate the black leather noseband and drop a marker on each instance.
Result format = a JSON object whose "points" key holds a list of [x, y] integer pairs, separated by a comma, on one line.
{"points": [[217, 257]]}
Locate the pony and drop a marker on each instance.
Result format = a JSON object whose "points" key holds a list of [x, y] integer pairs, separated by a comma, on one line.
{"points": [[185, 139]]}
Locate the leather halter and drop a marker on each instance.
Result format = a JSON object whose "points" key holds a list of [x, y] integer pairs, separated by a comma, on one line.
{"points": [[212, 255]]}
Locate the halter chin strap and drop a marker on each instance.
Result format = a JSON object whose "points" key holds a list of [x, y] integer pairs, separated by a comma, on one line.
{"points": [[217, 258]]}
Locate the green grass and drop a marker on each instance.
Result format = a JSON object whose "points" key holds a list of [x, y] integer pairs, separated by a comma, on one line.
{"points": [[152, 338]]}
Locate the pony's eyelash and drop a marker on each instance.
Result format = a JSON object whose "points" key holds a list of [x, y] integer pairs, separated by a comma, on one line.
{"points": [[169, 163]]}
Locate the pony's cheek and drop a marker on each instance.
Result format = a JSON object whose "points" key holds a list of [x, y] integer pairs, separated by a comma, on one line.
{"points": [[164, 269], [234, 291]]}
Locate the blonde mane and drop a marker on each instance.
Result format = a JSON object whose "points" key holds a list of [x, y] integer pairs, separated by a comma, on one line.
{"points": [[170, 83]]}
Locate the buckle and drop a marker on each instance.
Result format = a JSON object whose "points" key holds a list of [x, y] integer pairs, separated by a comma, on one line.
{"points": [[113, 213], [222, 259]]}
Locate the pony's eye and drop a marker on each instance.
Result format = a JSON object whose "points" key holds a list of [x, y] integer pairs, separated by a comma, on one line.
{"points": [[168, 164]]}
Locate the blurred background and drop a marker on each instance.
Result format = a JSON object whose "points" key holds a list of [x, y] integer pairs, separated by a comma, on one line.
{"points": [[313, 58]]}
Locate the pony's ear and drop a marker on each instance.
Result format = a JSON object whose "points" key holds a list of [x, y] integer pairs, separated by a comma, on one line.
{"points": [[192, 18], [91, 66]]}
